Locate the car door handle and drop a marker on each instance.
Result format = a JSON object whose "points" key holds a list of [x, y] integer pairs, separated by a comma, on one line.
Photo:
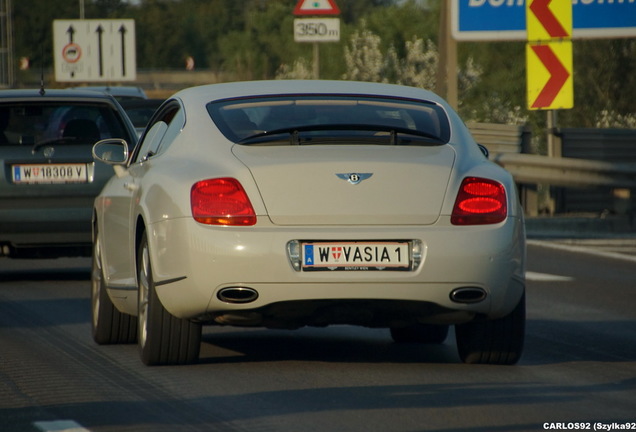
{"points": [[130, 186]]}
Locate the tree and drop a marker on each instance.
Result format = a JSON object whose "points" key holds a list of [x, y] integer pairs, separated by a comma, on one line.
{"points": [[36, 17], [381, 40], [364, 58], [366, 61]]}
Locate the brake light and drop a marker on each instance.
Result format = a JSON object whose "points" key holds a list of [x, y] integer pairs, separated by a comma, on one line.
{"points": [[221, 201], [480, 201]]}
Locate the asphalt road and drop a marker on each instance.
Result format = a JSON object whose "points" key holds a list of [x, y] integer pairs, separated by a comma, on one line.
{"points": [[578, 371]]}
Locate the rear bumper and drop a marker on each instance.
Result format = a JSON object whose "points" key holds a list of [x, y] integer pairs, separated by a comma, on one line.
{"points": [[193, 262], [46, 232]]}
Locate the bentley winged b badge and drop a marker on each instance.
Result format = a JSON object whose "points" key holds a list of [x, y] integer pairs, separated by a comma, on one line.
{"points": [[354, 178]]}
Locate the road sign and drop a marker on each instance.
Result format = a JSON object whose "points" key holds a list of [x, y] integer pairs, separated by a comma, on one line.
{"points": [[549, 70], [549, 54], [316, 7], [94, 50], [548, 19], [474, 20], [317, 29]]}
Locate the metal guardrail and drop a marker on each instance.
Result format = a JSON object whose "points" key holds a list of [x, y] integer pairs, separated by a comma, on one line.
{"points": [[566, 172], [501, 138], [594, 172]]}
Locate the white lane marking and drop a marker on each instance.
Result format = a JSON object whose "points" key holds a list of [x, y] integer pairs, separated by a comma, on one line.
{"points": [[60, 426], [580, 249], [545, 277]]}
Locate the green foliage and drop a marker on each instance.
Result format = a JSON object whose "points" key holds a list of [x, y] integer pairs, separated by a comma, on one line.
{"points": [[253, 39], [604, 80], [396, 25], [33, 28]]}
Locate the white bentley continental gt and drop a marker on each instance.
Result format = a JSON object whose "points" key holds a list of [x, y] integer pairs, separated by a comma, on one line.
{"points": [[285, 204]]}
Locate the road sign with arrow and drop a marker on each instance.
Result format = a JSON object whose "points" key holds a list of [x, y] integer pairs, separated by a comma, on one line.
{"points": [[94, 50], [549, 67], [549, 54]]}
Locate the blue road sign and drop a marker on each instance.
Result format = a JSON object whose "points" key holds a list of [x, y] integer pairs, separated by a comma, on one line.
{"points": [[474, 20]]}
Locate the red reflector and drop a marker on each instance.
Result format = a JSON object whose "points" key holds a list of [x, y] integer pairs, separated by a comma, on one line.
{"points": [[221, 201], [480, 205], [480, 188], [479, 201]]}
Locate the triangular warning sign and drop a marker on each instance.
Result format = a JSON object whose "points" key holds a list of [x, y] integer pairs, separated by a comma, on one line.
{"points": [[316, 7]]}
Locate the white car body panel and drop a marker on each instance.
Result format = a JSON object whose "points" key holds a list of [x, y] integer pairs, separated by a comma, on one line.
{"points": [[316, 196], [224, 253], [296, 195]]}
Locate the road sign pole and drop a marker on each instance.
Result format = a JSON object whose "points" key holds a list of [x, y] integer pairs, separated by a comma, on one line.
{"points": [[316, 64], [447, 62], [316, 30], [552, 125], [549, 49]]}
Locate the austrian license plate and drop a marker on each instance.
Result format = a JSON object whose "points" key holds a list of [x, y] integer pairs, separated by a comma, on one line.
{"points": [[50, 173], [359, 256]]}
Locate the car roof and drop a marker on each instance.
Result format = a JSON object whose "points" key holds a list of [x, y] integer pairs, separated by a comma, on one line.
{"points": [[117, 91], [141, 103], [53, 94], [206, 93]]}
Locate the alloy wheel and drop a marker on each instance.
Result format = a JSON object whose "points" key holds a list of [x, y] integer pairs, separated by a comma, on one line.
{"points": [[143, 295]]}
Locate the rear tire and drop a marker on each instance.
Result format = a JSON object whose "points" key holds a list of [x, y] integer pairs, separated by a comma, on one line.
{"points": [[109, 326], [420, 333], [163, 338], [498, 341]]}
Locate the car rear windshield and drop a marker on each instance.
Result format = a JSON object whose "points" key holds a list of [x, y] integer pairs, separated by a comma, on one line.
{"points": [[34, 123], [330, 119]]}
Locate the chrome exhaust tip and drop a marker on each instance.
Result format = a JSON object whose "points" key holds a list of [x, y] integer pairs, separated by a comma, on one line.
{"points": [[237, 295], [468, 295]]}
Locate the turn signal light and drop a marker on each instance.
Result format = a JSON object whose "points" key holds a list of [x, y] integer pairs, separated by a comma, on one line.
{"points": [[221, 201], [480, 201]]}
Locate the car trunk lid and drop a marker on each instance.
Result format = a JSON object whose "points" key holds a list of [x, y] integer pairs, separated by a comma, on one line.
{"points": [[350, 184]]}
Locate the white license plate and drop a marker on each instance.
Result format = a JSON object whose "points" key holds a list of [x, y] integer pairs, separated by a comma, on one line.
{"points": [[356, 256], [50, 173]]}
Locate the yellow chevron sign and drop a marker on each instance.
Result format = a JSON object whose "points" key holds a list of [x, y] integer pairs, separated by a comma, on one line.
{"points": [[548, 19], [549, 69], [549, 54]]}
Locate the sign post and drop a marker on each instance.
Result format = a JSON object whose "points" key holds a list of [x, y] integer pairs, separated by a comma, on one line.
{"points": [[94, 50], [549, 60], [316, 30]]}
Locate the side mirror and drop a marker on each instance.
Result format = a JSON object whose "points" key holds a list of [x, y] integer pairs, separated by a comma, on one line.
{"points": [[111, 151], [484, 150]]}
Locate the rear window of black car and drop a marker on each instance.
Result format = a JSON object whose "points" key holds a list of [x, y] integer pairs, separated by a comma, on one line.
{"points": [[32, 123], [332, 119]]}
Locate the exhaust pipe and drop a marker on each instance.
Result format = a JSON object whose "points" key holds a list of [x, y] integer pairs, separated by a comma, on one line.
{"points": [[237, 295], [468, 295]]}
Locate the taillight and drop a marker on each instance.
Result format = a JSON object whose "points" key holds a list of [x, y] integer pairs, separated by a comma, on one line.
{"points": [[480, 201], [221, 201]]}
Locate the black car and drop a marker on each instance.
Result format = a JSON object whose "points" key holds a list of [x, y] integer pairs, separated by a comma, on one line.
{"points": [[48, 178], [140, 111]]}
